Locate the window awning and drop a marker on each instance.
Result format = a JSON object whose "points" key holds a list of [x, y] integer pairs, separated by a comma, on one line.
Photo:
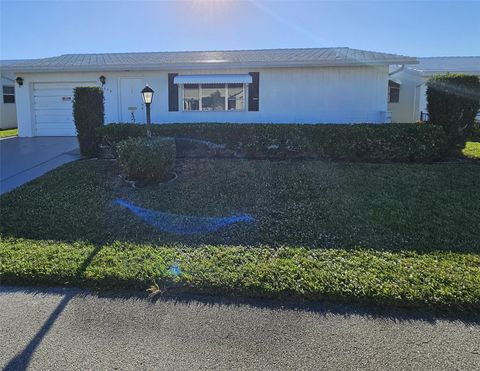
{"points": [[213, 79]]}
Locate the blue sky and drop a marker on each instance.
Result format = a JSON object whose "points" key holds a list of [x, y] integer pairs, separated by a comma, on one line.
{"points": [[35, 29]]}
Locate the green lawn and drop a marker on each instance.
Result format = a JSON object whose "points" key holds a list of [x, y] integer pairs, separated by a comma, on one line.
{"points": [[472, 150], [8, 133], [311, 204], [388, 233]]}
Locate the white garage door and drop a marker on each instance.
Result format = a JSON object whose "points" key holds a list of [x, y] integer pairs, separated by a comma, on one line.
{"points": [[52, 104]]}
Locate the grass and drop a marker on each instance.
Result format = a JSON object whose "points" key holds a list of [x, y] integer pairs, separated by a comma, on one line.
{"points": [[8, 133], [472, 150], [387, 233], [436, 279], [311, 204]]}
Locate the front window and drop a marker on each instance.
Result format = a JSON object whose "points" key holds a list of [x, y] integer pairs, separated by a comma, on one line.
{"points": [[235, 97], [191, 97], [393, 92], [213, 97], [8, 94]]}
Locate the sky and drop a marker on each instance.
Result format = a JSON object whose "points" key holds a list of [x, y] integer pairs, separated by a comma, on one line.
{"points": [[38, 29]]}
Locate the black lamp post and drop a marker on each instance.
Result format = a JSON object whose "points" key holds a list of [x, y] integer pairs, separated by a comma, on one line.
{"points": [[147, 95]]}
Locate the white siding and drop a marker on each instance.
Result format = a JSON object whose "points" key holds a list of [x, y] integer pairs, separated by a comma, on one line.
{"points": [[287, 95], [406, 110]]}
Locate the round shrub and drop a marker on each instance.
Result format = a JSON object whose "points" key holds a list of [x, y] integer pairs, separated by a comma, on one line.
{"points": [[147, 159]]}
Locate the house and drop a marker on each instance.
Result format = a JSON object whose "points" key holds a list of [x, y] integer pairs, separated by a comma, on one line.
{"points": [[321, 85], [407, 86], [8, 113]]}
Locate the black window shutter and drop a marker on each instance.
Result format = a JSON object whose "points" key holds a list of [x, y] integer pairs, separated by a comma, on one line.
{"points": [[172, 93], [254, 92]]}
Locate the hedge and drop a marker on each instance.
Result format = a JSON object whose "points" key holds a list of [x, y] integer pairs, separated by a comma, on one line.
{"points": [[360, 142], [453, 101], [88, 114]]}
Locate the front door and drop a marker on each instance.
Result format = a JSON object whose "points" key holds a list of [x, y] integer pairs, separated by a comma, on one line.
{"points": [[131, 103]]}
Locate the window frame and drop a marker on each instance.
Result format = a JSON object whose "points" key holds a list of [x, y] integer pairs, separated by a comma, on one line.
{"points": [[8, 94], [396, 87], [245, 98]]}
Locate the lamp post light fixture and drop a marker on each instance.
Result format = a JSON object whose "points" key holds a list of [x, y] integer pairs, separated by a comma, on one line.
{"points": [[147, 95]]}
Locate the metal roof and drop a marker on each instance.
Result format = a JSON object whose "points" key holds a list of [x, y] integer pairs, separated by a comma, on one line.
{"points": [[435, 65], [211, 59], [7, 73]]}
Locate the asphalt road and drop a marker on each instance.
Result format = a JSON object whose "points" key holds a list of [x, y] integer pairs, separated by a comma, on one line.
{"points": [[66, 329]]}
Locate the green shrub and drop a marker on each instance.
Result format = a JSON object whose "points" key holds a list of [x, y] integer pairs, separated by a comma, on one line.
{"points": [[474, 132], [453, 102], [146, 159], [362, 142], [88, 114]]}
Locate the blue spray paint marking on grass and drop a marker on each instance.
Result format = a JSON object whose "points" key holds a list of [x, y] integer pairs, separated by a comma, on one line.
{"points": [[175, 270], [182, 224]]}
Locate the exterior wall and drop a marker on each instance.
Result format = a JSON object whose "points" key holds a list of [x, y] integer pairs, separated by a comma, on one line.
{"points": [[287, 95], [8, 112], [406, 110], [413, 97]]}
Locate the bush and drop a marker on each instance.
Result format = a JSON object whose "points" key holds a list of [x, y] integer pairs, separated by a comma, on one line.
{"points": [[363, 142], [474, 132], [88, 114], [146, 159], [453, 102]]}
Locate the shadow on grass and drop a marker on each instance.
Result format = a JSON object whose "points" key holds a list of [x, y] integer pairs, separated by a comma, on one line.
{"points": [[83, 268], [313, 204]]}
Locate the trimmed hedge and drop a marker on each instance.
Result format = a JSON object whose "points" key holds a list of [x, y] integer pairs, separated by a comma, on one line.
{"points": [[474, 132], [88, 114], [361, 142], [146, 159], [453, 101]]}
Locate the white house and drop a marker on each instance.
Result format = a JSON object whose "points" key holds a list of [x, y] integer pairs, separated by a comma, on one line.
{"points": [[322, 85], [407, 86], [8, 113]]}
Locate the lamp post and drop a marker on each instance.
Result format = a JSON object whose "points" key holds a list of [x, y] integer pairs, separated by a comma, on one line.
{"points": [[147, 95]]}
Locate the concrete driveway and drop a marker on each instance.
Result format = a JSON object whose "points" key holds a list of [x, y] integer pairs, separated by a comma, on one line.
{"points": [[24, 159], [69, 329]]}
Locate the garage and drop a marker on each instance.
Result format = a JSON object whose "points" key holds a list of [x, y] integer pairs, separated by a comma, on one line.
{"points": [[52, 103]]}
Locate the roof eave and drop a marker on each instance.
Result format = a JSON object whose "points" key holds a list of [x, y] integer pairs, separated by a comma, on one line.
{"points": [[442, 72], [208, 65]]}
